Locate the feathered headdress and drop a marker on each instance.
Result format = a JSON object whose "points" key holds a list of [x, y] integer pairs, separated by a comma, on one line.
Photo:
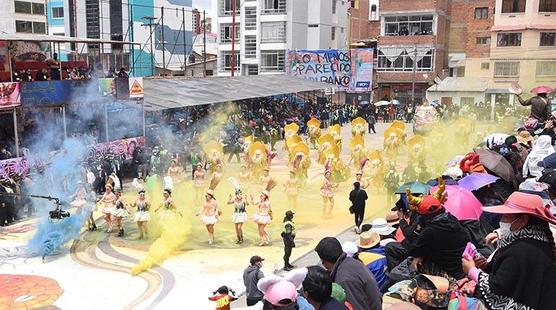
{"points": [[269, 186], [235, 183], [428, 204]]}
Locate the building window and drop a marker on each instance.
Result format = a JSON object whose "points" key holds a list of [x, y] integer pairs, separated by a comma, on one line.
{"points": [[334, 6], [23, 26], [548, 39], [408, 25], [506, 69], [250, 46], [509, 39], [373, 15], [227, 61], [272, 60], [274, 7], [513, 6], [192, 59], [333, 33], [251, 18], [39, 27], [23, 7], [273, 32], [226, 7], [467, 101], [313, 25], [485, 65], [226, 33], [481, 13], [38, 8], [546, 68], [252, 70], [58, 12], [547, 6], [482, 40], [401, 59]]}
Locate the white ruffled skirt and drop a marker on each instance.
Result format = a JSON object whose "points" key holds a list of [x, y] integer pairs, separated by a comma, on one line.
{"points": [[261, 219], [209, 220], [119, 212], [142, 216], [239, 217]]}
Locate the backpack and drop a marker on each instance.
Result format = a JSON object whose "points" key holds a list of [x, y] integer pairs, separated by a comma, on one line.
{"points": [[460, 296]]}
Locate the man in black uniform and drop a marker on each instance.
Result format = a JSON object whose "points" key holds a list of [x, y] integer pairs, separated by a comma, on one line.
{"points": [[288, 236]]}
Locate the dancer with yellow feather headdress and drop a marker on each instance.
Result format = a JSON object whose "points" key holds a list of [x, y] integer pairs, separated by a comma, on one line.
{"points": [[300, 161], [258, 160], [393, 141], [358, 151], [336, 132], [290, 130], [214, 152], [358, 126], [326, 141], [376, 169], [314, 132]]}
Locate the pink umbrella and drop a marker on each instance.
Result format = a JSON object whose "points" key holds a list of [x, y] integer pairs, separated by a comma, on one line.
{"points": [[461, 203], [542, 90]]}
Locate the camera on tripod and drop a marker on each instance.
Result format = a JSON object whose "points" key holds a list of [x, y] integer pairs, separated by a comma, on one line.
{"points": [[58, 214]]}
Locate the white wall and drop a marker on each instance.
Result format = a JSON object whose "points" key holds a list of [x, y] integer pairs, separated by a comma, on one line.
{"points": [[456, 96], [7, 20]]}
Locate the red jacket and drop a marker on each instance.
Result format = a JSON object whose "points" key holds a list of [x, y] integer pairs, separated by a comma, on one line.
{"points": [[222, 301]]}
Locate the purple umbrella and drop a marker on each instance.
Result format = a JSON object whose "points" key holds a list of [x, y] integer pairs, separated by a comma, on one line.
{"points": [[477, 180]]}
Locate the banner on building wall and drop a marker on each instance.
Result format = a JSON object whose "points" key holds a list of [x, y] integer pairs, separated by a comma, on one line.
{"points": [[46, 93], [349, 70], [122, 148], [9, 95], [22, 166], [136, 87], [106, 87]]}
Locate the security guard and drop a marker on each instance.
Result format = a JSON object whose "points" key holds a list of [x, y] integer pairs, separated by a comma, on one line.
{"points": [[288, 236]]}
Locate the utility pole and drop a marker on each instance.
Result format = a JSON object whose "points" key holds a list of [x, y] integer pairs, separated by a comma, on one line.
{"points": [[233, 60], [205, 44], [413, 78], [151, 23], [184, 43], [163, 41]]}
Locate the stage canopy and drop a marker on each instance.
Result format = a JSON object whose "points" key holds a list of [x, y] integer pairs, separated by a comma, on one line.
{"points": [[162, 93]]}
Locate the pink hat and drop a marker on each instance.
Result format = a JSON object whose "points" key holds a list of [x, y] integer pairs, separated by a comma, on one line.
{"points": [[282, 294], [282, 291], [523, 203]]}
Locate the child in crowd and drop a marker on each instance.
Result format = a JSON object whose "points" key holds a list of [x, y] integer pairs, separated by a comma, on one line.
{"points": [[223, 298]]}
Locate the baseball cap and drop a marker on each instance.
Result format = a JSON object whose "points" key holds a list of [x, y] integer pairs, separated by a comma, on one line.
{"points": [[255, 259]]}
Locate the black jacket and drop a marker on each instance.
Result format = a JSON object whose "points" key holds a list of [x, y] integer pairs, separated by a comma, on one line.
{"points": [[442, 242], [357, 198], [358, 282], [522, 272]]}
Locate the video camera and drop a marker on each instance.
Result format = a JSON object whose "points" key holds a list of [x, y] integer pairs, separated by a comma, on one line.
{"points": [[58, 214]]}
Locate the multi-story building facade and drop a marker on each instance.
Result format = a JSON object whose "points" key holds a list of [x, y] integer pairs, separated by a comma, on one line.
{"points": [[196, 19], [23, 16], [412, 47], [160, 22], [364, 22], [504, 41], [523, 44], [266, 29]]}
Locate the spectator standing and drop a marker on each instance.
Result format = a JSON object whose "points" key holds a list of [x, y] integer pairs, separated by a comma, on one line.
{"points": [[358, 282], [54, 65], [358, 196], [42, 75], [288, 236], [371, 120], [122, 73], [251, 276]]}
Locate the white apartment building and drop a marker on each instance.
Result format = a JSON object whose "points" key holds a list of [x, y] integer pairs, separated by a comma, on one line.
{"points": [[23, 16], [267, 29]]}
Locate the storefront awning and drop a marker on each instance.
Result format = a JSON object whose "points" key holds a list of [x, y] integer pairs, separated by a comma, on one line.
{"points": [[460, 84], [161, 94]]}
